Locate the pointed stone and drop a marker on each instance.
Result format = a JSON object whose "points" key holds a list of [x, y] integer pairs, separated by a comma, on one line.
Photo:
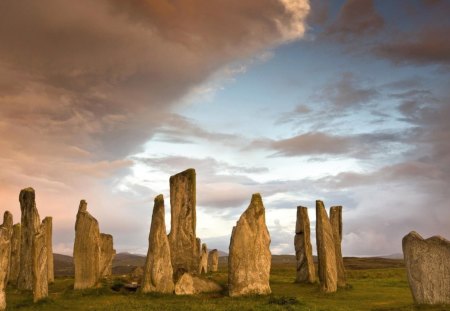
{"points": [[5, 255], [249, 257], [30, 226], [189, 284], [107, 254], [336, 224], [306, 272], [203, 267], [326, 252], [182, 236], [40, 265], [15, 255], [158, 270], [428, 268], [86, 250], [48, 221], [213, 260]]}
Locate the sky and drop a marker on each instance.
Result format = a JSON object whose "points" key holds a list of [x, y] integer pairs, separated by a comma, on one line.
{"points": [[342, 101]]}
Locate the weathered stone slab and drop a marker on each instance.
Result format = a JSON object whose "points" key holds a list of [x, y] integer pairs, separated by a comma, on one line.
{"points": [[107, 254], [8, 225], [15, 255], [428, 268], [249, 259], [326, 252], [182, 236], [86, 250], [306, 272], [203, 267], [48, 221], [189, 284], [213, 260], [5, 254], [30, 225], [336, 225], [158, 271], [40, 266]]}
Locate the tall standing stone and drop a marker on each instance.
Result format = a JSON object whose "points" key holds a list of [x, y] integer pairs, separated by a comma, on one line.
{"points": [[326, 252], [15, 255], [306, 273], [40, 265], [86, 250], [213, 260], [107, 254], [30, 226], [203, 267], [182, 236], [249, 258], [48, 221], [336, 225], [428, 268], [6, 230], [158, 271]]}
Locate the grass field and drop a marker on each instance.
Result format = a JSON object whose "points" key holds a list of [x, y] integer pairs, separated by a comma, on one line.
{"points": [[369, 289]]}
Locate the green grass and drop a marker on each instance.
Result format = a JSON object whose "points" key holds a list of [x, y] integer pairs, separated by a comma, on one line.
{"points": [[375, 289]]}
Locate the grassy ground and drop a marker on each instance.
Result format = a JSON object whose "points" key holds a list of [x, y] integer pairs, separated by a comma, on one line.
{"points": [[369, 289]]}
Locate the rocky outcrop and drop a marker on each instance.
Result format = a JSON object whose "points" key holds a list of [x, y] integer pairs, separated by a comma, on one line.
{"points": [[249, 257], [158, 270], [40, 266], [30, 226], [189, 284], [336, 225], [14, 265], [107, 254], [203, 267], [428, 268], [5, 254], [182, 236], [306, 272], [48, 221], [326, 252], [213, 260], [86, 250]]}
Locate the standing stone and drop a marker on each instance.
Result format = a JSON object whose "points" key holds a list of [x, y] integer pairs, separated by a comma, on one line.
{"points": [[15, 255], [107, 254], [86, 249], [5, 255], [306, 273], [198, 252], [40, 265], [249, 257], [213, 260], [428, 268], [336, 225], [48, 235], [325, 250], [158, 270], [203, 267], [30, 226], [182, 236]]}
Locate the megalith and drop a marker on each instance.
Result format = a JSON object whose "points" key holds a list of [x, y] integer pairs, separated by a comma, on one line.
{"points": [[107, 254], [86, 249], [336, 225], [30, 224], [249, 258], [8, 225], [428, 268], [213, 260], [203, 267], [325, 250], [158, 271], [306, 272], [182, 236], [48, 221], [14, 265], [40, 265], [189, 284], [5, 254]]}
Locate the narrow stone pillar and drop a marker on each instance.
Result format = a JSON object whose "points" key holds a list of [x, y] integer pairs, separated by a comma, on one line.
{"points": [[336, 224], [306, 272], [48, 221]]}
